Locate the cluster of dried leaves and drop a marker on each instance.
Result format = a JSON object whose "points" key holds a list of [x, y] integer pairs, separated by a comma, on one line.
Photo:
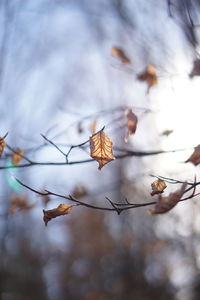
{"points": [[149, 75], [101, 150], [164, 204]]}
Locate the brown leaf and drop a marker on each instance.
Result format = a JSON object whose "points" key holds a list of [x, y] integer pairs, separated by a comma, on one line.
{"points": [[149, 75], [101, 148], [195, 157], [61, 210], [167, 132], [2, 143], [196, 68], [19, 203], [164, 204], [17, 156], [79, 192], [117, 52], [158, 187], [131, 123]]}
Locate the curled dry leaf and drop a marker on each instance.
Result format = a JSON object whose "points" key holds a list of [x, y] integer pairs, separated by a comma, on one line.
{"points": [[149, 75], [17, 156], [196, 68], [131, 123], [117, 52], [164, 204], [195, 157], [19, 203], [61, 210], [2, 143], [101, 148], [158, 187]]}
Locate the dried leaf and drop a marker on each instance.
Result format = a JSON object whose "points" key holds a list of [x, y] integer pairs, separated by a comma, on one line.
{"points": [[164, 204], [117, 52], [19, 203], [131, 123], [195, 157], [2, 144], [79, 192], [149, 75], [167, 132], [196, 68], [17, 156], [158, 187], [93, 127], [61, 210], [101, 148]]}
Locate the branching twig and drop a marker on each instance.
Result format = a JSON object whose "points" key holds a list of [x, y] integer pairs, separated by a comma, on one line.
{"points": [[117, 207]]}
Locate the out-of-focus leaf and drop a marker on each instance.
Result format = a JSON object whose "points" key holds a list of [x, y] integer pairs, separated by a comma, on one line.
{"points": [[164, 204], [167, 132], [131, 123], [2, 143], [149, 75], [196, 68], [119, 53], [19, 203], [158, 187], [79, 128], [93, 127], [195, 157], [17, 156], [79, 192], [101, 148], [61, 210]]}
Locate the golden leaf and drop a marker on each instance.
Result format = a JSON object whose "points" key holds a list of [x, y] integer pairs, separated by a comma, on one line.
{"points": [[131, 123], [117, 52], [17, 156], [101, 148], [195, 157], [61, 210], [149, 75], [158, 187], [164, 204], [2, 144], [19, 203], [196, 68]]}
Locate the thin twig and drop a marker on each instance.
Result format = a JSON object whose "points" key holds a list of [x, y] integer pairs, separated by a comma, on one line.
{"points": [[15, 151]]}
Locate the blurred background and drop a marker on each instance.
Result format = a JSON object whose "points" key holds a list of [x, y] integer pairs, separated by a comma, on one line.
{"points": [[58, 77]]}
